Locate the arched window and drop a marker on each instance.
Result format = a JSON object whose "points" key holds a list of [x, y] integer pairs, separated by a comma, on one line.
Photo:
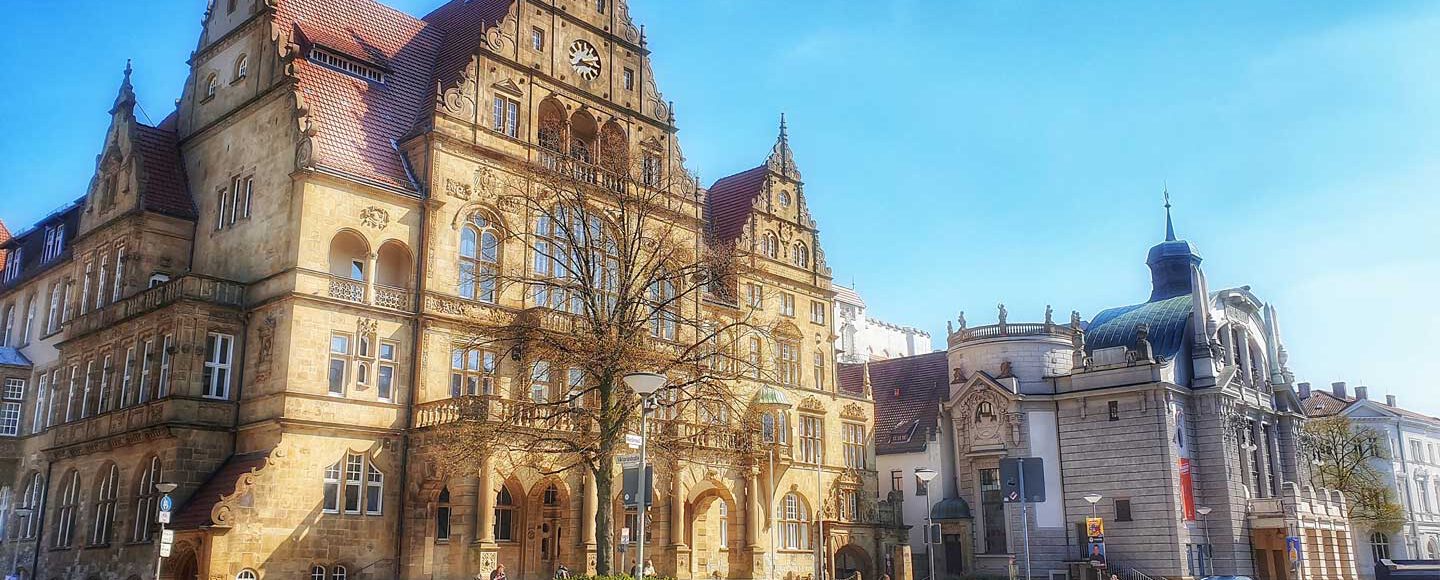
{"points": [[69, 504], [30, 501], [504, 516], [339, 573], [247, 574], [563, 238], [551, 497], [442, 516], [105, 506], [800, 255], [242, 67], [212, 85], [1380, 546], [146, 499], [479, 259], [984, 411], [9, 325], [795, 523], [770, 245], [317, 572]]}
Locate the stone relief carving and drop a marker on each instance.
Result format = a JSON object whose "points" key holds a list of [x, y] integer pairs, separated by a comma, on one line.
{"points": [[374, 218]]}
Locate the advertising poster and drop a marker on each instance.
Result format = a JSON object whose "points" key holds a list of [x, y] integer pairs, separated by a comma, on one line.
{"points": [[1096, 551], [1187, 476]]}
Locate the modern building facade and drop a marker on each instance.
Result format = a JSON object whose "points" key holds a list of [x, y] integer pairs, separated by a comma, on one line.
{"points": [[259, 299], [1411, 467], [860, 338], [1180, 422]]}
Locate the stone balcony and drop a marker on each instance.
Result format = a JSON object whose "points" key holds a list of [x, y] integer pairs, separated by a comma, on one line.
{"points": [[190, 287], [361, 292], [137, 422], [1024, 329]]}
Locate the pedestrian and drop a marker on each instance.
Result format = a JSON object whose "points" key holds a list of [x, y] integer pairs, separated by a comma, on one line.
{"points": [[562, 573], [498, 573]]}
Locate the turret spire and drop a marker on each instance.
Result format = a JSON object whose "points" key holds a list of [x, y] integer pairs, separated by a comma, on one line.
{"points": [[782, 159], [126, 96], [1169, 225]]}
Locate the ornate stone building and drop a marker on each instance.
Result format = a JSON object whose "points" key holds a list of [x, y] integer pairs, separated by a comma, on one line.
{"points": [[861, 338], [260, 299]]}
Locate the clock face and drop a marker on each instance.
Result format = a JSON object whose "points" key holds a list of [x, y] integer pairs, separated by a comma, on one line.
{"points": [[585, 60]]}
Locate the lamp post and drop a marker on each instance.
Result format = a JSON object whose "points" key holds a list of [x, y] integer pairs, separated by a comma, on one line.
{"points": [[645, 385], [926, 475], [1207, 555], [164, 488], [22, 513], [1094, 499]]}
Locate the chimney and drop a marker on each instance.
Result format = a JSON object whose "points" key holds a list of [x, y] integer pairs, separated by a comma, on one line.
{"points": [[1362, 393], [1304, 390], [1338, 389], [1390, 401]]}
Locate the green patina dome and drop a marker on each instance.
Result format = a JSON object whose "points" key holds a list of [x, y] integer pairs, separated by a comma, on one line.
{"points": [[951, 508], [771, 397]]}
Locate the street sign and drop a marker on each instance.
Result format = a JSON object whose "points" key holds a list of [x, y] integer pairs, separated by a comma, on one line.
{"points": [[165, 550], [935, 534], [167, 537], [1034, 479], [166, 504], [631, 487], [632, 440], [624, 538], [163, 517], [628, 461]]}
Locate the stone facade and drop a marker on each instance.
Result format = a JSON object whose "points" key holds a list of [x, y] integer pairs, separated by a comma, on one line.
{"points": [[861, 338], [304, 208]]}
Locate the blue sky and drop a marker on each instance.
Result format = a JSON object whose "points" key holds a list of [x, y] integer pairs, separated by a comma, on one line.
{"points": [[960, 154]]}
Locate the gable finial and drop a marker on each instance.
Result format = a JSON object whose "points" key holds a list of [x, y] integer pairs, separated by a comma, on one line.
{"points": [[125, 98], [1169, 224], [784, 132]]}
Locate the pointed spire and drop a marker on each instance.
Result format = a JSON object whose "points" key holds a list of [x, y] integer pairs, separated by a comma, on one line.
{"points": [[1169, 224], [126, 97], [784, 131], [782, 159]]}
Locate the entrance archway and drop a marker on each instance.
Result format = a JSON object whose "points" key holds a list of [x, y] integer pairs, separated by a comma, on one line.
{"points": [[181, 567], [546, 537], [849, 560]]}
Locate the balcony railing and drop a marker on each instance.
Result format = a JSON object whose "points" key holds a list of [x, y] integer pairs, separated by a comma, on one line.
{"points": [[383, 296], [1008, 330], [582, 171], [189, 287]]}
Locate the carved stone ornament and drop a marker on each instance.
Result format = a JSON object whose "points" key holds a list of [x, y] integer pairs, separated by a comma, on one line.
{"points": [[812, 403], [457, 189], [501, 37], [853, 411], [459, 100], [368, 326], [374, 218]]}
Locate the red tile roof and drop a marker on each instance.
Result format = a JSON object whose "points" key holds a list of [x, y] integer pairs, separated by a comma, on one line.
{"points": [[1324, 404], [196, 513], [162, 180], [730, 202], [463, 24], [4, 237], [358, 119], [907, 392]]}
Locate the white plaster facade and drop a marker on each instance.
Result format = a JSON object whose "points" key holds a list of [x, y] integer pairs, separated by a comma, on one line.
{"points": [[860, 338], [1413, 470]]}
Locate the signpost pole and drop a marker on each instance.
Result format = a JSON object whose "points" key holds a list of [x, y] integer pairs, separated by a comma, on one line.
{"points": [[162, 515], [1024, 513], [643, 500]]}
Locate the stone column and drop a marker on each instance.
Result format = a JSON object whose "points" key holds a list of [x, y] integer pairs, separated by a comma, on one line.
{"points": [[753, 508], [1257, 439], [1243, 345], [485, 519], [677, 509], [589, 503], [1229, 343], [370, 260]]}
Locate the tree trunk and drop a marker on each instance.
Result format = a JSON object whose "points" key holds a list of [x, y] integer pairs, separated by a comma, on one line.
{"points": [[604, 510]]}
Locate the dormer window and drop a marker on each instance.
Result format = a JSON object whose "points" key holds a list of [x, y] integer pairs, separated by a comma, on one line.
{"points": [[346, 65], [54, 243]]}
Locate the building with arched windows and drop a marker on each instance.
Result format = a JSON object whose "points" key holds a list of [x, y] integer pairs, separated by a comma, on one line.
{"points": [[264, 299]]}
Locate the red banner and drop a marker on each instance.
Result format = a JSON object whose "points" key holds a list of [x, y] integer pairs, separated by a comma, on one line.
{"points": [[1187, 490]]}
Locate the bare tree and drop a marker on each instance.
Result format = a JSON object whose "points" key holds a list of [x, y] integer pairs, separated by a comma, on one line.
{"points": [[1342, 455], [618, 278]]}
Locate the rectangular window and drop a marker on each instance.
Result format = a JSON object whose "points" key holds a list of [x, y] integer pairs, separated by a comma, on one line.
{"points": [[817, 312], [353, 466], [374, 490], [236, 183], [145, 360], [89, 387], [100, 284], [85, 290], [1114, 410], [167, 343], [70, 394], [220, 196], [819, 371], [854, 445], [472, 372], [10, 408], [37, 421], [629, 79], [787, 304], [756, 294], [127, 378], [600, 6], [119, 274], [789, 363], [755, 360], [103, 404], [331, 502], [339, 363], [12, 264], [506, 116], [811, 439], [249, 193], [537, 39], [216, 376], [897, 480], [540, 387], [1122, 510], [385, 380]]}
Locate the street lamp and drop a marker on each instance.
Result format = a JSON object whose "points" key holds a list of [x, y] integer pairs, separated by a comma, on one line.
{"points": [[645, 385], [1093, 498], [25, 513], [164, 487], [1208, 556], [925, 475]]}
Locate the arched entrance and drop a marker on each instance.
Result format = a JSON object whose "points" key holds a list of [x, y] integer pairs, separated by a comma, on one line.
{"points": [[546, 535], [181, 567], [849, 560]]}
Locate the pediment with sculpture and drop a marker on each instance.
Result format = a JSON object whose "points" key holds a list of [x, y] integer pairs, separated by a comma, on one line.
{"points": [[986, 415]]}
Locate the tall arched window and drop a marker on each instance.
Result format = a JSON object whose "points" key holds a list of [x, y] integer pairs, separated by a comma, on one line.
{"points": [[146, 499], [317, 572], [9, 325], [1380, 546], [69, 504], [242, 67], [663, 319], [724, 524], [770, 245], [442, 516], [212, 85], [800, 255], [105, 496], [504, 516], [795, 523], [339, 573], [247, 574], [34, 491], [479, 259]]}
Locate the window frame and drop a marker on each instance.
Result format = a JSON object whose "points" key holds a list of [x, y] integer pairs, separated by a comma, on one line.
{"points": [[217, 372]]}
